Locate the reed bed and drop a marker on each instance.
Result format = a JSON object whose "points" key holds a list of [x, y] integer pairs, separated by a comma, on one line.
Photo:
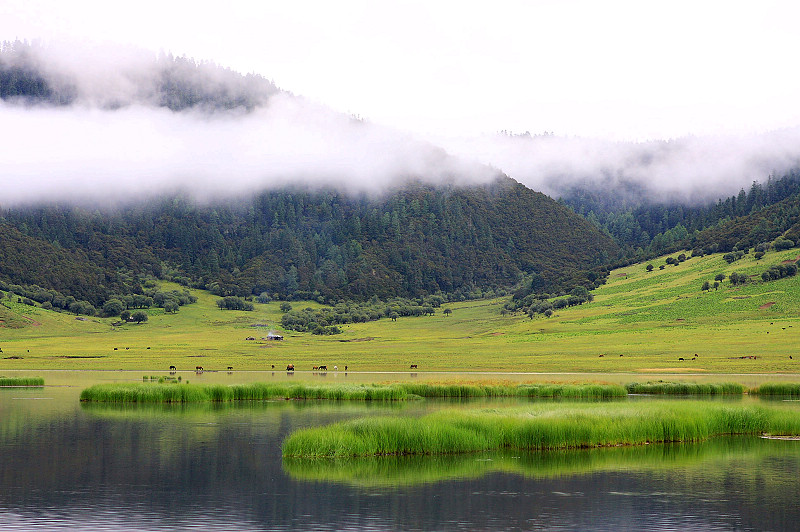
{"points": [[515, 390], [394, 471], [685, 388], [172, 392], [777, 388], [165, 391], [21, 381], [556, 426]]}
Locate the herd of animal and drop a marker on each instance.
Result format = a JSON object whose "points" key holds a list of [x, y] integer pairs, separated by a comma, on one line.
{"points": [[289, 368]]}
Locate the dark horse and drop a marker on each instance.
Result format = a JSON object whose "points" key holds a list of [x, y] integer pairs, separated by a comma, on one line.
{"points": [[290, 367]]}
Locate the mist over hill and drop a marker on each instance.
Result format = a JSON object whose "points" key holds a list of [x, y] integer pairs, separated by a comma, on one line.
{"points": [[103, 127], [124, 166]]}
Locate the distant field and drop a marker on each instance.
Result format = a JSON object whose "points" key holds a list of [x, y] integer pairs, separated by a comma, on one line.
{"points": [[639, 322]]}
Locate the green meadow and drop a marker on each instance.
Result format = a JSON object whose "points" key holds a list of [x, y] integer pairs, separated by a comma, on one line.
{"points": [[639, 321]]}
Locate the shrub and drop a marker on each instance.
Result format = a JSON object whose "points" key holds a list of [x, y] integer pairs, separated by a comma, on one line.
{"points": [[781, 244]]}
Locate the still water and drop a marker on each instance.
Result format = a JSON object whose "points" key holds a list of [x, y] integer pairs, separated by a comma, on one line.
{"points": [[67, 466]]}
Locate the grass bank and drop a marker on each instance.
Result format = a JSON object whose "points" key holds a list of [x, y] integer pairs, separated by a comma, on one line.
{"points": [[174, 392], [393, 471], [559, 426], [195, 393], [582, 391], [21, 381], [777, 388], [685, 388]]}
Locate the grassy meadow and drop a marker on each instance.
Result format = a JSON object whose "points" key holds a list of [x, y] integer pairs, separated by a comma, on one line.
{"points": [[639, 321]]}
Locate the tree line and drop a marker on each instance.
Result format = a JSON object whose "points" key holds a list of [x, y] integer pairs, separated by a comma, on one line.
{"points": [[322, 245]]}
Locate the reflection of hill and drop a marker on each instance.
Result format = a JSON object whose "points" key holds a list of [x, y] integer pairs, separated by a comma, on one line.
{"points": [[394, 471]]}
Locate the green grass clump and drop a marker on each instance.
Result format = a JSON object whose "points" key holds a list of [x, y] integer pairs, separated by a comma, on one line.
{"points": [[685, 388], [172, 392], [777, 388], [21, 381], [165, 391], [145, 393], [572, 391], [560, 426], [521, 390]]}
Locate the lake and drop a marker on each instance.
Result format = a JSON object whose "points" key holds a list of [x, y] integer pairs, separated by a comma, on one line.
{"points": [[71, 466]]}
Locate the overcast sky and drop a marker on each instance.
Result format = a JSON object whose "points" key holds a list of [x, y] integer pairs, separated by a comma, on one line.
{"points": [[611, 79], [613, 69]]}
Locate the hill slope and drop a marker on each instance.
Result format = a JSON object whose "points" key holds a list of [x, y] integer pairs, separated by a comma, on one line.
{"points": [[643, 323], [295, 243]]}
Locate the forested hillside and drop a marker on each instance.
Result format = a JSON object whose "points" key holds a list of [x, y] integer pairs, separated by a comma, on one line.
{"points": [[320, 244], [779, 221], [646, 228]]}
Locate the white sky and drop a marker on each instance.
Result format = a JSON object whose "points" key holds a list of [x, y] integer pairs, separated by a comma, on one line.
{"points": [[630, 70]]}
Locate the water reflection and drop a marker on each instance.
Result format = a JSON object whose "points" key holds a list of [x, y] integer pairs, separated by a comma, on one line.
{"points": [[64, 465]]}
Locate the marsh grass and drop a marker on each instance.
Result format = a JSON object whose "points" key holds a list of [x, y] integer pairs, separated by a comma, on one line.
{"points": [[556, 426], [513, 390], [393, 471], [165, 391], [21, 381], [777, 388], [173, 392], [685, 388]]}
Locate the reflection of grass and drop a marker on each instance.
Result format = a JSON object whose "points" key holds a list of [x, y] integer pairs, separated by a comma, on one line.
{"points": [[685, 388], [21, 381], [395, 471], [208, 411], [554, 426]]}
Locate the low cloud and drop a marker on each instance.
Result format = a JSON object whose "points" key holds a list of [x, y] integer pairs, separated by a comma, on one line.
{"points": [[688, 169], [88, 153], [128, 133]]}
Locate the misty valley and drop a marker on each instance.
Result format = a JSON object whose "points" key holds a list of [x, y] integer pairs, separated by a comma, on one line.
{"points": [[224, 306]]}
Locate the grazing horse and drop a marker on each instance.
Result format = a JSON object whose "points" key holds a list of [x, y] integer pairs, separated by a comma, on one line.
{"points": [[230, 368], [173, 368], [345, 368], [681, 358], [323, 368], [335, 368], [315, 368], [290, 367], [413, 366], [198, 368]]}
